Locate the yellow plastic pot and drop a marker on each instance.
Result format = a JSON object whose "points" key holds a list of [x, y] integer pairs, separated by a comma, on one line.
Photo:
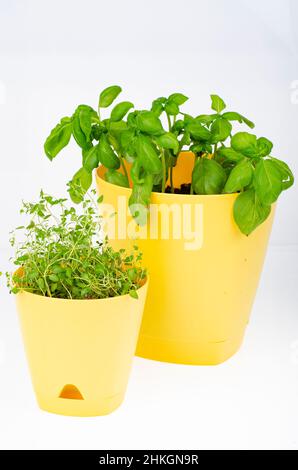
{"points": [[199, 300], [80, 351]]}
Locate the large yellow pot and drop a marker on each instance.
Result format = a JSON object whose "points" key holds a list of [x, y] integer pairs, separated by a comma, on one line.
{"points": [[201, 293], [80, 351]]}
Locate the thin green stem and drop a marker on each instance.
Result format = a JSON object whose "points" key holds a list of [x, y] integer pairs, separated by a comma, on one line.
{"points": [[215, 150], [164, 171], [169, 122], [171, 175], [171, 167]]}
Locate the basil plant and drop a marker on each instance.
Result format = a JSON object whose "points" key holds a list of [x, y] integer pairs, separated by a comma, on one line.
{"points": [[151, 141]]}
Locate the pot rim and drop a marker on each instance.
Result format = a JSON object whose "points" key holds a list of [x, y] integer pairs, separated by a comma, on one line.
{"points": [[168, 195], [31, 294]]}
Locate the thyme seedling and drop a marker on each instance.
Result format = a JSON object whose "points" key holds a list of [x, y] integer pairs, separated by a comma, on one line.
{"points": [[62, 254]]}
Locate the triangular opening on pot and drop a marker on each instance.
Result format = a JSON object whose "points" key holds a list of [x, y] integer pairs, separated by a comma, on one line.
{"points": [[72, 392]]}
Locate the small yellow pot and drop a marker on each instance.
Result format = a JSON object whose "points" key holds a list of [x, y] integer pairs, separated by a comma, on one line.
{"points": [[80, 351], [200, 294]]}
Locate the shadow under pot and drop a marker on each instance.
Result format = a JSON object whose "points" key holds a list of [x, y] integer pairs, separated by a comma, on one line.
{"points": [[80, 352]]}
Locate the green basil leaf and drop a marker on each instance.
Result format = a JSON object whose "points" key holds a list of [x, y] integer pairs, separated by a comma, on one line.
{"points": [[248, 122], [220, 130], [127, 138], [286, 174], [79, 185], [108, 95], [178, 98], [264, 146], [147, 155], [132, 119], [197, 131], [58, 138], [157, 106], [206, 118], [162, 99], [187, 119], [217, 103], [245, 143], [249, 211], [229, 154], [171, 108], [96, 132], [114, 134], [267, 181], [91, 158], [178, 126], [168, 141], [85, 116], [78, 133], [185, 140], [114, 177], [120, 110], [137, 172], [208, 177], [233, 116], [140, 199], [106, 154], [240, 177], [116, 128], [148, 122], [197, 148]]}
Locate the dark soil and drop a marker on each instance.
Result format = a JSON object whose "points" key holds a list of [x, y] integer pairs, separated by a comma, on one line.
{"points": [[184, 189]]}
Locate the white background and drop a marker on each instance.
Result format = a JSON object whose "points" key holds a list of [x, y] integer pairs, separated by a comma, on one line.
{"points": [[56, 54]]}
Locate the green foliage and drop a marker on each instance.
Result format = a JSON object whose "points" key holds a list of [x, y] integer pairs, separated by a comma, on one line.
{"points": [[79, 185], [151, 141], [287, 176], [91, 158], [140, 198], [147, 121], [217, 103], [148, 155], [119, 111], [267, 181], [244, 143], [108, 95], [239, 177], [58, 138], [249, 211], [106, 154], [168, 141], [61, 254], [114, 177], [220, 129], [208, 177], [177, 98]]}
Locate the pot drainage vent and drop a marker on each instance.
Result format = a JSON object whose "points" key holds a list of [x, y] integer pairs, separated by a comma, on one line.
{"points": [[71, 392]]}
